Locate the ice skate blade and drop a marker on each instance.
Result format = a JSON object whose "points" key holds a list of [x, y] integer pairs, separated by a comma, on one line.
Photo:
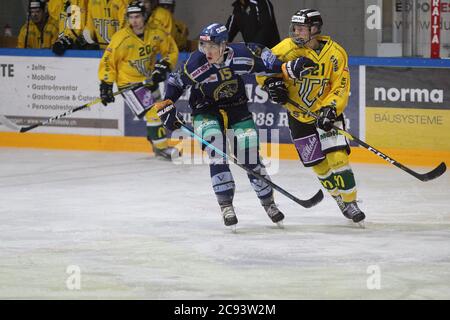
{"points": [[361, 224], [280, 224], [232, 228]]}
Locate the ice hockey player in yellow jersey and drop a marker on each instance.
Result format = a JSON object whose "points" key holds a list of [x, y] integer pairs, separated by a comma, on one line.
{"points": [[40, 31], [131, 58], [323, 89], [160, 15], [71, 15], [102, 21], [179, 29]]}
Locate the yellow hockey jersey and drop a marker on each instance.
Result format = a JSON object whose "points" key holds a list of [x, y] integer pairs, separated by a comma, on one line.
{"points": [[54, 8], [102, 21], [162, 18], [36, 39], [71, 15], [122, 12], [129, 59], [328, 84], [180, 34]]}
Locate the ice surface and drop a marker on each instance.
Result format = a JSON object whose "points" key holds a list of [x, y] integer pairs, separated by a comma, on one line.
{"points": [[138, 227]]}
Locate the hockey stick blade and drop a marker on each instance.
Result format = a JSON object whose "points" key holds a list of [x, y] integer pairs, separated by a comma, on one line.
{"points": [[433, 174], [8, 123], [312, 201], [52, 119]]}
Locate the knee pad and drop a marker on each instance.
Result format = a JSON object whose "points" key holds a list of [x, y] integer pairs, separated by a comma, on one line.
{"points": [[337, 159], [343, 176], [326, 176], [322, 168]]}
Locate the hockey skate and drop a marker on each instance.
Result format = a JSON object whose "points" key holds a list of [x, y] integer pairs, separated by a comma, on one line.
{"points": [[273, 212], [341, 204], [168, 153], [229, 216], [353, 212]]}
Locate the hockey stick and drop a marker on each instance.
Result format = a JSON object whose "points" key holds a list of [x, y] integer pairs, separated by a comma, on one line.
{"points": [[304, 203], [84, 106], [433, 174], [8, 123]]}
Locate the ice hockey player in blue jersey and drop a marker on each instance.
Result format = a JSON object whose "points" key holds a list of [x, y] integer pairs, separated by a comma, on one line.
{"points": [[219, 103]]}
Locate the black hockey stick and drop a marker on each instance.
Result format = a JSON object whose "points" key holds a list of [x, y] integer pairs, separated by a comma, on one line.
{"points": [[304, 203], [433, 174], [84, 106]]}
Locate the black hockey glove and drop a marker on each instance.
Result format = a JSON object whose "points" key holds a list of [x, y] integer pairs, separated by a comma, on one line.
{"points": [[106, 93], [276, 89], [169, 115], [162, 67], [298, 68], [151, 85], [61, 45], [327, 117]]}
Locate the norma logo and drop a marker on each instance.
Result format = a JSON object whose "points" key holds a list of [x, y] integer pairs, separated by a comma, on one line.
{"points": [[408, 95]]}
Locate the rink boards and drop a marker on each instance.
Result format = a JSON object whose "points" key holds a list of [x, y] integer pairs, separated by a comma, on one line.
{"points": [[401, 106]]}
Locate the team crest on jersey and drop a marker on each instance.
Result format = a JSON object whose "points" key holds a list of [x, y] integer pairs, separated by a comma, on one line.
{"points": [[141, 66], [103, 26], [226, 90]]}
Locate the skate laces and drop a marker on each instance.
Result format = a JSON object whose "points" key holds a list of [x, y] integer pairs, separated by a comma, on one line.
{"points": [[340, 202], [271, 209], [228, 212], [352, 208]]}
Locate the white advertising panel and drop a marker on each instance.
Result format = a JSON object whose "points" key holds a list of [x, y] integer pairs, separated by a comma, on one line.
{"points": [[33, 89]]}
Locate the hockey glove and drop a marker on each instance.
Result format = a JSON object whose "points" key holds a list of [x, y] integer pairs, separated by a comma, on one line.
{"points": [[327, 117], [162, 67], [151, 85], [61, 45], [276, 89], [298, 68], [106, 93], [169, 115]]}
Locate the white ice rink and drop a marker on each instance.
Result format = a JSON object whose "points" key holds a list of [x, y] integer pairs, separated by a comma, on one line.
{"points": [[137, 227]]}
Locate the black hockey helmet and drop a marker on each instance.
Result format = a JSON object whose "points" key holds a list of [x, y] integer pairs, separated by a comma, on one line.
{"points": [[37, 4], [136, 7], [308, 17], [166, 2]]}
